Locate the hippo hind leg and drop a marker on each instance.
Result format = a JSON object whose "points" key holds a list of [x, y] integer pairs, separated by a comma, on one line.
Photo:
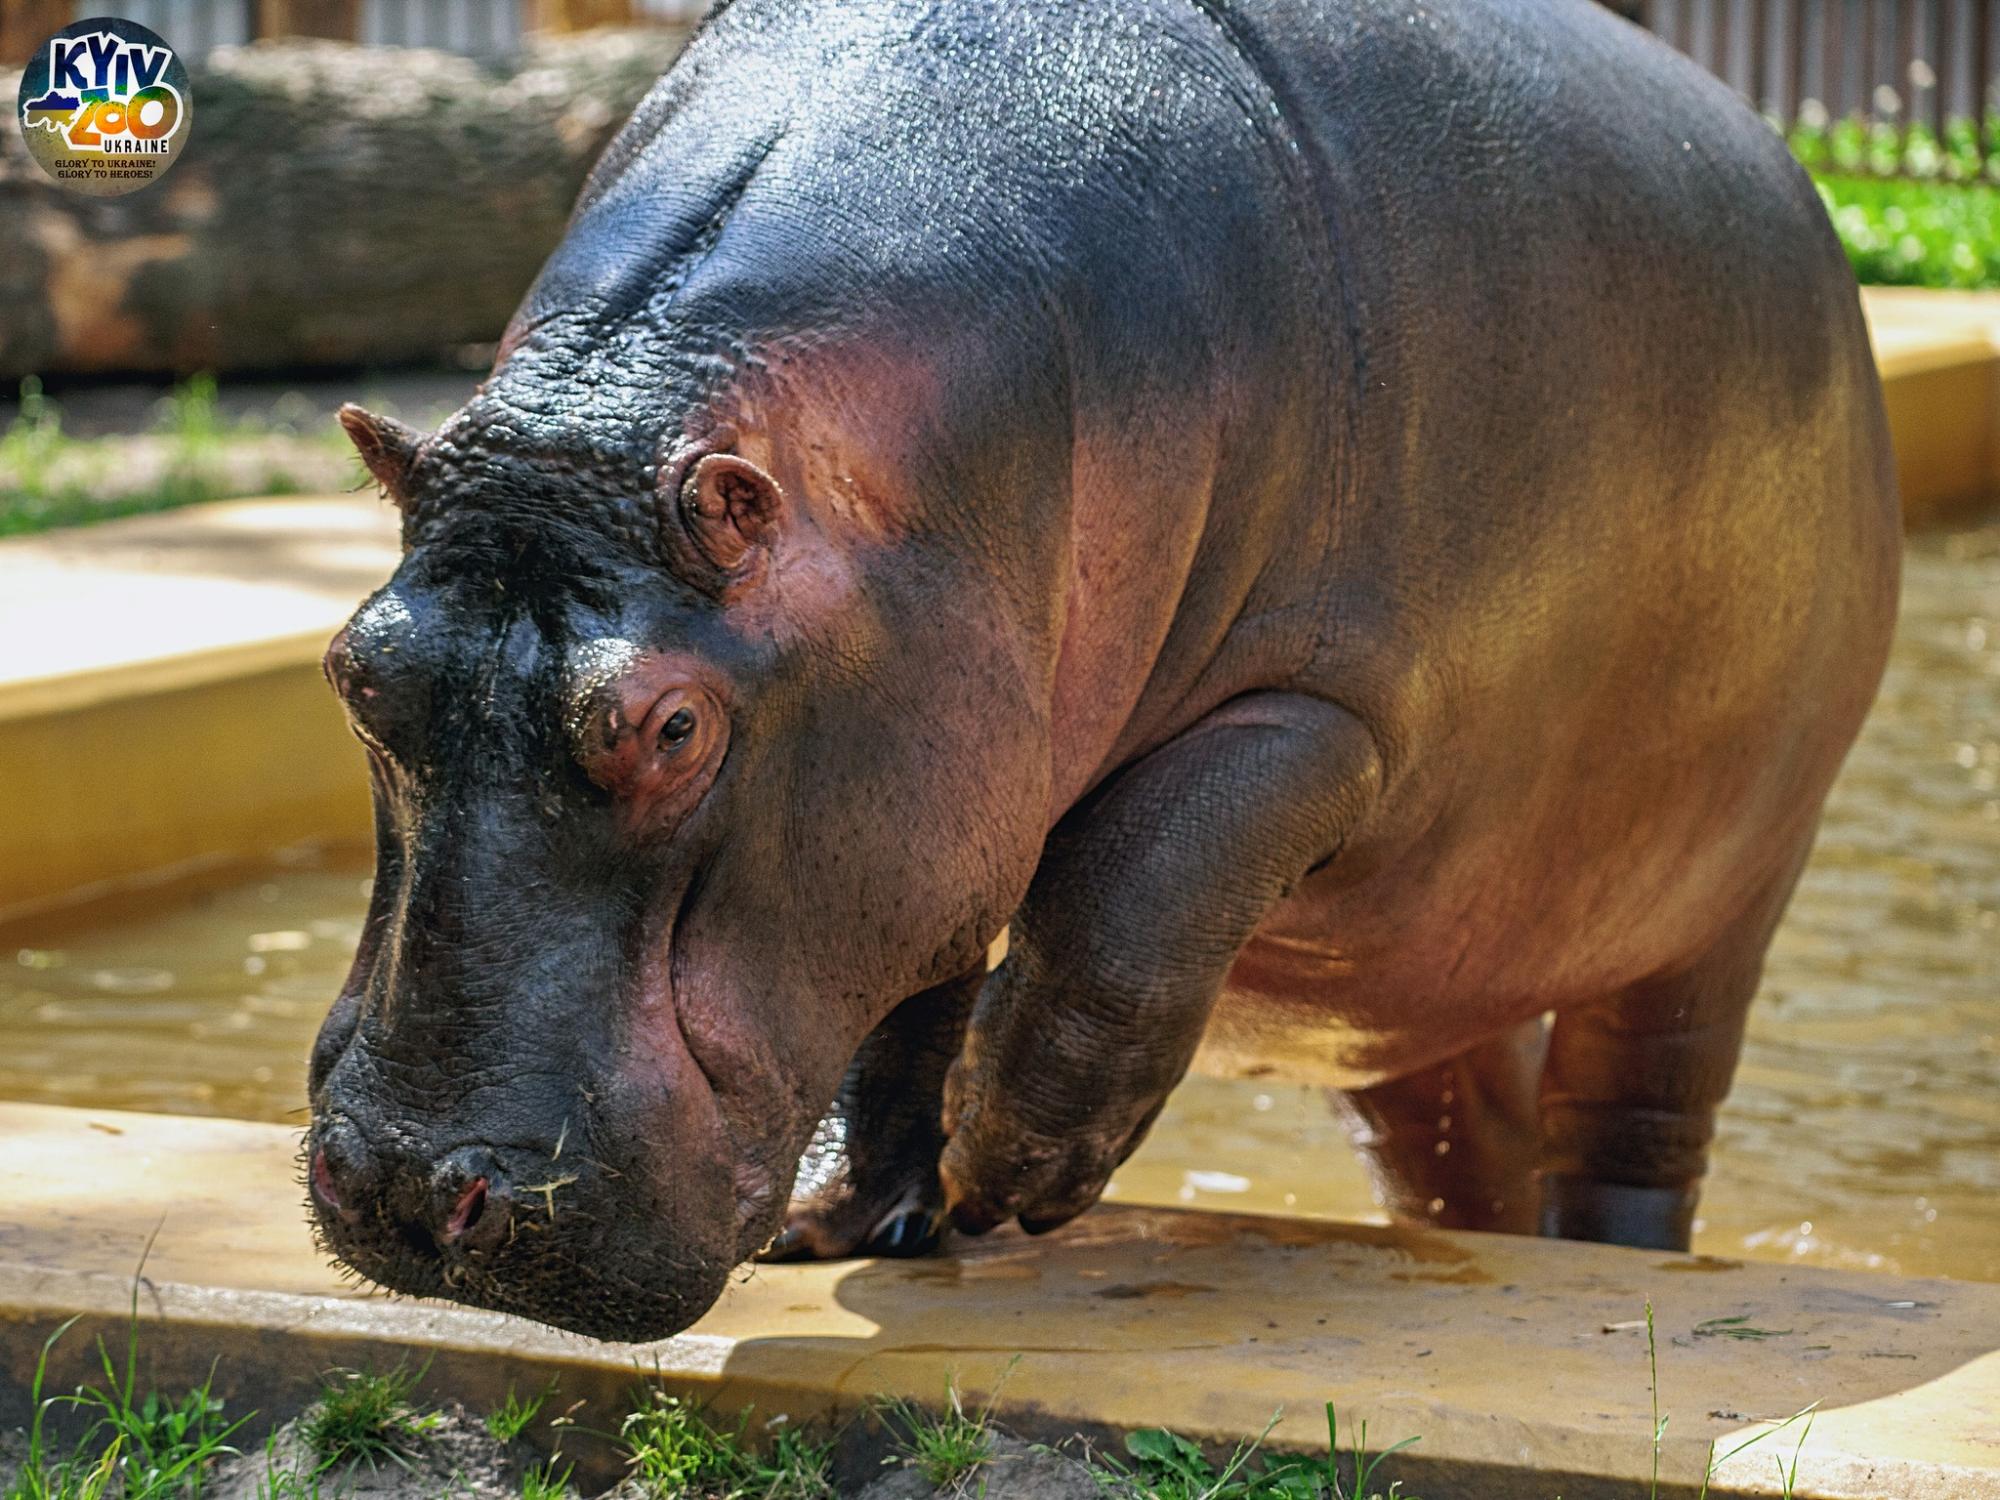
{"points": [[1454, 1144], [1632, 1085], [869, 1184]]}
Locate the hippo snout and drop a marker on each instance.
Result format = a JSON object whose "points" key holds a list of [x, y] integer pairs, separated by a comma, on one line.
{"points": [[558, 1199], [461, 1203]]}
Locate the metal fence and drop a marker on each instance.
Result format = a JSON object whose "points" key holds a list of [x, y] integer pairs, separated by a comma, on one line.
{"points": [[474, 28], [1895, 63], [1892, 63], [193, 28]]}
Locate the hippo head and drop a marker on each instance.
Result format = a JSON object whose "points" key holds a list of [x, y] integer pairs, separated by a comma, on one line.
{"points": [[695, 749]]}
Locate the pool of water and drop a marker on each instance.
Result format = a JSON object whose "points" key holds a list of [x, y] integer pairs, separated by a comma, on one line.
{"points": [[1864, 1129]]}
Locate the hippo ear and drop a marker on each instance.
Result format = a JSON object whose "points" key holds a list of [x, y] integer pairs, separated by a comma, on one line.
{"points": [[386, 446], [729, 508]]}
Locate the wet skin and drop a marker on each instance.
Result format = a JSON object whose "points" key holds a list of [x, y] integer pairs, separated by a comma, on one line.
{"points": [[1345, 530]]}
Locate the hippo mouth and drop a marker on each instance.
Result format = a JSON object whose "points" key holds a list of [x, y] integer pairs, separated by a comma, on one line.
{"points": [[499, 1231]]}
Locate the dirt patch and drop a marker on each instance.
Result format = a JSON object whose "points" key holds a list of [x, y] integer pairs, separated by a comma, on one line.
{"points": [[455, 1456], [1014, 1471]]}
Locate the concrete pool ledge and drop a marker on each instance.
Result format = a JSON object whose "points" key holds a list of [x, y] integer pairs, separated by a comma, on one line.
{"points": [[1521, 1365], [160, 698], [1939, 357]]}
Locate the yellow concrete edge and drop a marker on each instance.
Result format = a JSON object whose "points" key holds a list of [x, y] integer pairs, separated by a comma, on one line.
{"points": [[1897, 359], [173, 589], [1521, 1365], [160, 695], [227, 765], [142, 677], [1938, 354], [267, 1350]]}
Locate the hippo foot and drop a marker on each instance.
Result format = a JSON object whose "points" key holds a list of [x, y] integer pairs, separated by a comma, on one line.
{"points": [[864, 1193], [902, 1234]]}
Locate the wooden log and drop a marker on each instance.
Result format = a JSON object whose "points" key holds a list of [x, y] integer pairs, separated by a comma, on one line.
{"points": [[25, 24], [335, 206], [579, 15], [335, 20]]}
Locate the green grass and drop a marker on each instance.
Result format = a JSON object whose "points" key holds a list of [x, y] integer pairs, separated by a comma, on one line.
{"points": [[1788, 1476], [1166, 1466], [514, 1415], [282, 1481], [1879, 148], [1902, 233], [1912, 208], [946, 1446], [134, 1444], [368, 1417], [546, 1482], [132, 1447], [676, 1451], [50, 479], [192, 419]]}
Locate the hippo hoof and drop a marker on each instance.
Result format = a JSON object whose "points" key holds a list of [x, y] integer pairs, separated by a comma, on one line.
{"points": [[905, 1235], [789, 1243], [906, 1231]]}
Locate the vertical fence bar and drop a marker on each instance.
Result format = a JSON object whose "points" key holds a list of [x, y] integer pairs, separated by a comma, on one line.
{"points": [[1902, 70], [1760, 55], [1982, 88], [1935, 49], [1867, 45], [1795, 89], [1955, 44]]}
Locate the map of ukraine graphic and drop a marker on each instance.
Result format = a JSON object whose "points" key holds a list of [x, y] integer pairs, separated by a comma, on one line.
{"points": [[51, 112]]}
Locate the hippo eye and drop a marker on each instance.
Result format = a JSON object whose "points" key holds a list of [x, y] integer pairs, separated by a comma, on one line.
{"points": [[677, 728]]}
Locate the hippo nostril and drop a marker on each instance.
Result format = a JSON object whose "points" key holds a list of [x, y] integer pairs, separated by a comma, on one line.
{"points": [[471, 1204], [322, 1181], [343, 1174]]}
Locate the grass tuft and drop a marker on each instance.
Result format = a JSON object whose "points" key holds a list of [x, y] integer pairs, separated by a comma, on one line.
{"points": [[945, 1447], [514, 1415], [364, 1417], [132, 1447], [195, 452], [675, 1451], [546, 1482], [1168, 1467]]}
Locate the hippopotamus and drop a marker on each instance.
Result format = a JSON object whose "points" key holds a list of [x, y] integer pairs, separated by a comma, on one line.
{"points": [[1356, 535]]}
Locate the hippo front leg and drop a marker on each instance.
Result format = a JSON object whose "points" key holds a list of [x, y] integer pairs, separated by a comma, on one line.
{"points": [[1145, 893]]}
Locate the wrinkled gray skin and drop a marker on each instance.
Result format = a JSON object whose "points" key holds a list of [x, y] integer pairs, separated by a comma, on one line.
{"points": [[1346, 527]]}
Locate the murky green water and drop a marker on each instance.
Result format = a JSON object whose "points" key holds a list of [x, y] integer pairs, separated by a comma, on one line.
{"points": [[1864, 1129]]}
